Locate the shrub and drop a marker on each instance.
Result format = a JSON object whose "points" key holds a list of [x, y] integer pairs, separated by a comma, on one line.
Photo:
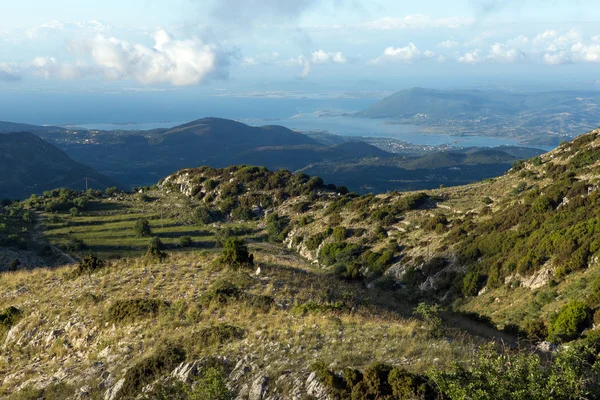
{"points": [[570, 321], [326, 377], [340, 233], [14, 265], [154, 252], [162, 361], [376, 380], [9, 318], [222, 292], [235, 254], [276, 227], [313, 242], [337, 252], [54, 391], [262, 303], [90, 264], [219, 334], [212, 385], [431, 316], [519, 375], [186, 241], [348, 271], [142, 228], [76, 245], [471, 283], [132, 309], [405, 385], [535, 329]]}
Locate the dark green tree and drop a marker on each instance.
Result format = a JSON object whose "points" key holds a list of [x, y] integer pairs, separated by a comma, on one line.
{"points": [[235, 254]]}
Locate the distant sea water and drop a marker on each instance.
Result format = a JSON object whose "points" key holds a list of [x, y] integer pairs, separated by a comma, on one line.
{"points": [[322, 121], [143, 111], [334, 120]]}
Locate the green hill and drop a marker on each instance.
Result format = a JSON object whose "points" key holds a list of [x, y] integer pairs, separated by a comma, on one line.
{"points": [[29, 165], [249, 283]]}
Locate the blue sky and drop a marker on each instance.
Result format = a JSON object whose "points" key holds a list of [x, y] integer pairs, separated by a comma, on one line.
{"points": [[155, 44]]}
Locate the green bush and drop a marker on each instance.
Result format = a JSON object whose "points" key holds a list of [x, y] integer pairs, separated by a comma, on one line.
{"points": [[75, 245], [9, 318], [165, 358], [155, 251], [90, 264], [431, 317], [142, 228], [277, 227], [334, 252], [222, 292], [262, 303], [348, 271], [219, 334], [54, 391], [212, 385], [185, 241], [405, 385], [471, 284], [132, 309], [519, 375], [570, 321], [313, 242], [235, 254]]}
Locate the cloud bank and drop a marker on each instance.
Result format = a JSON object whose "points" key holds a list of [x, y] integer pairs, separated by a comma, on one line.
{"points": [[169, 60]]}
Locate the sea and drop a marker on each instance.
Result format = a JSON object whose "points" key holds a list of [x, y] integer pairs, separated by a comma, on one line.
{"points": [[143, 111]]}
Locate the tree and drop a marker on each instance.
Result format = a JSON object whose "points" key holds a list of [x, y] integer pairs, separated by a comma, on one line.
{"points": [[155, 251], [142, 228], [343, 190], [571, 320], [276, 227], [235, 254], [431, 317]]}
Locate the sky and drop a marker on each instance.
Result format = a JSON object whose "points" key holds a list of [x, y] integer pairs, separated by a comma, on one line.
{"points": [[147, 45]]}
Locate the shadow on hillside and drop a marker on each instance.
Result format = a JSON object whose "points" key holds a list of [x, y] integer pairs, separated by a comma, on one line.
{"points": [[177, 235], [322, 287], [103, 206]]}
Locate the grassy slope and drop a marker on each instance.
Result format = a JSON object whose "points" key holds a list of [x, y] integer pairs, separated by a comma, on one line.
{"points": [[64, 330]]}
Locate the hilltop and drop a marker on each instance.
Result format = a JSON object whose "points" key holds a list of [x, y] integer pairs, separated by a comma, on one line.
{"points": [[277, 285], [492, 113], [141, 158], [30, 165]]}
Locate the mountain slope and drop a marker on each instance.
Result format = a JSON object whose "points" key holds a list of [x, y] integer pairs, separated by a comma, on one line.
{"points": [[346, 296], [30, 165]]}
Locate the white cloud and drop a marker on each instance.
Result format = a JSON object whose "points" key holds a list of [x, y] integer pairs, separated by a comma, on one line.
{"points": [[321, 57], [416, 21], [10, 72], [473, 57], [448, 44], [557, 58], [504, 54], [545, 36], [50, 68], [588, 53], [316, 57], [44, 28], [554, 41], [178, 62], [518, 42], [405, 55]]}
